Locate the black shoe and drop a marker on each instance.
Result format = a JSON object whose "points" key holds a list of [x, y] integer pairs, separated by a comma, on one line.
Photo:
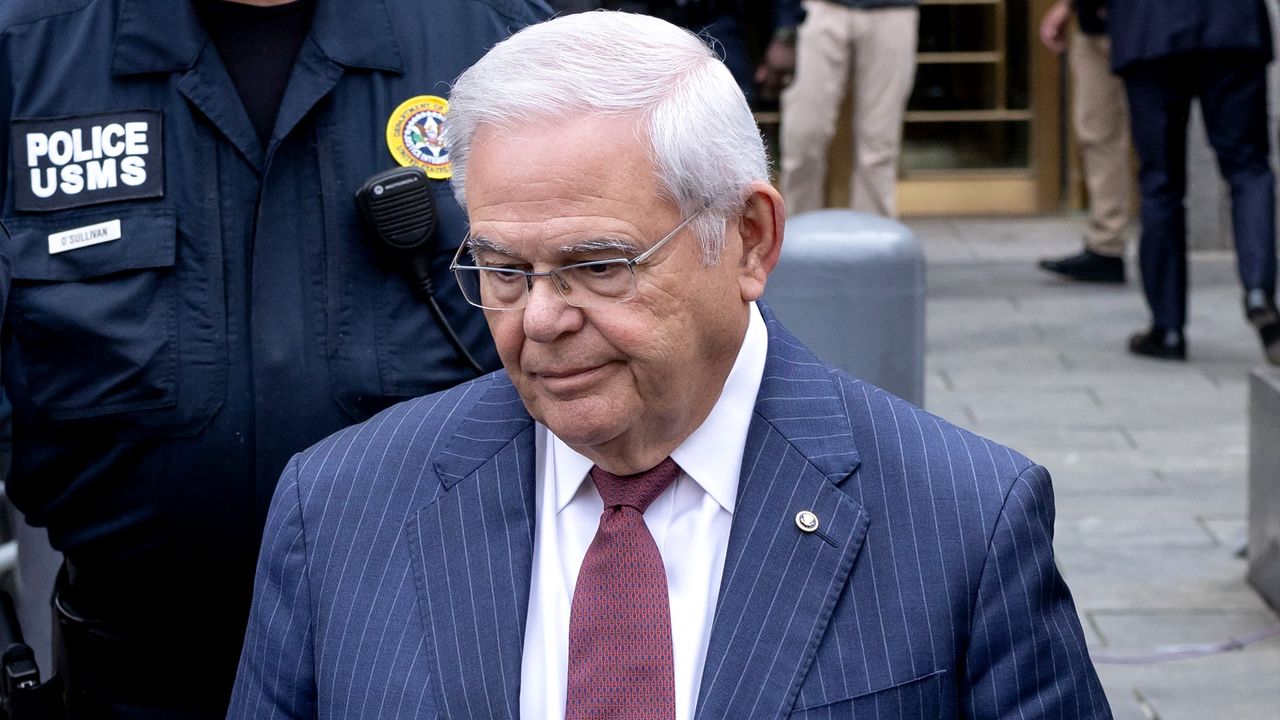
{"points": [[1260, 309], [1087, 266], [1159, 343]]}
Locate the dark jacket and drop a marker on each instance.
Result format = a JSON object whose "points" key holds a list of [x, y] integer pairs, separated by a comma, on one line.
{"points": [[1150, 29]]}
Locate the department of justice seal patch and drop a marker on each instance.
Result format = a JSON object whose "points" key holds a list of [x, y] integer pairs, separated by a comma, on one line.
{"points": [[416, 135]]}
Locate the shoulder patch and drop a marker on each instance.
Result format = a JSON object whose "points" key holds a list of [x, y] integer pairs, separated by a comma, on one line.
{"points": [[67, 162], [417, 134]]}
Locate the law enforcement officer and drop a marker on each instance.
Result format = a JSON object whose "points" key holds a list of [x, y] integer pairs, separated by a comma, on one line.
{"points": [[193, 299], [1216, 51]]}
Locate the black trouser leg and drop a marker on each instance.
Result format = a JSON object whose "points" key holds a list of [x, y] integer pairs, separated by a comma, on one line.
{"points": [[1159, 105], [1233, 98]]}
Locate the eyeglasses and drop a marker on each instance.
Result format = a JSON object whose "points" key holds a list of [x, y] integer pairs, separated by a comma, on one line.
{"points": [[586, 284]]}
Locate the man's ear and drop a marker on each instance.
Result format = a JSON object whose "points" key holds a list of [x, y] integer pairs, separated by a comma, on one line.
{"points": [[760, 227]]}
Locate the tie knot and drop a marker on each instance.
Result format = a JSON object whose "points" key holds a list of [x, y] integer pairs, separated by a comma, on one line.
{"points": [[635, 491]]}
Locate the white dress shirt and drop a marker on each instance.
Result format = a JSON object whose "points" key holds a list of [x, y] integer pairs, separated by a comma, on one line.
{"points": [[689, 522]]}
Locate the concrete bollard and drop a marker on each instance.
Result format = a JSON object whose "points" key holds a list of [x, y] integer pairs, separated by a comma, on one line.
{"points": [[1264, 484], [851, 286]]}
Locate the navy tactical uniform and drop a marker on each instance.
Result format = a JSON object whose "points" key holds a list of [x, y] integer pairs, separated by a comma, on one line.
{"points": [[1169, 53], [190, 307]]}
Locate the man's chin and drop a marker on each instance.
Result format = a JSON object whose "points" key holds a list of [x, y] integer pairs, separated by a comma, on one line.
{"points": [[583, 424]]}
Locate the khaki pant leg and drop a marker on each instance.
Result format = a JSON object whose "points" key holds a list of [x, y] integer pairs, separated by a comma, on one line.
{"points": [[811, 104], [1100, 118], [883, 75]]}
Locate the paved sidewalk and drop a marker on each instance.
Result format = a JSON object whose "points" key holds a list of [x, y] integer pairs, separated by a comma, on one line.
{"points": [[1148, 457]]}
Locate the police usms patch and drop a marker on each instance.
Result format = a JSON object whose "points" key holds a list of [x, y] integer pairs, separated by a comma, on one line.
{"points": [[69, 162]]}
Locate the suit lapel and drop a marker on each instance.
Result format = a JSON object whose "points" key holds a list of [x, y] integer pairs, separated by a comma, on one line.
{"points": [[472, 552], [780, 583]]}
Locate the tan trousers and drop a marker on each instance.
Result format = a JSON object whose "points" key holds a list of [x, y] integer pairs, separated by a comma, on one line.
{"points": [[878, 48], [1100, 118]]}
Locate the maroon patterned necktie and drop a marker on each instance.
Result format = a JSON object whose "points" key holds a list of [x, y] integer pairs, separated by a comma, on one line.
{"points": [[620, 665]]}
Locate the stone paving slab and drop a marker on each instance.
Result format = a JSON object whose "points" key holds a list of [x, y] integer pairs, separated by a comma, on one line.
{"points": [[1231, 686], [1211, 441], [1001, 406], [1195, 400], [1227, 529], [1035, 441], [1098, 477], [1156, 521], [1125, 632], [1128, 577], [992, 367], [1160, 504]]}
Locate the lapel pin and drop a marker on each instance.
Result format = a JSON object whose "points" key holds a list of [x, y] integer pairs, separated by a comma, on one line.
{"points": [[806, 521]]}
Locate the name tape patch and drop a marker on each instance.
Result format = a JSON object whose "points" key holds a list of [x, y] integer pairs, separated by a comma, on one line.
{"points": [[61, 163], [84, 236]]}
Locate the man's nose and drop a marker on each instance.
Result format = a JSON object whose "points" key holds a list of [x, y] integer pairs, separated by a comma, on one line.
{"points": [[547, 315]]}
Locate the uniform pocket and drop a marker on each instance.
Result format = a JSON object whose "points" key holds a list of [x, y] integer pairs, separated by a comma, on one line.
{"points": [[93, 312]]}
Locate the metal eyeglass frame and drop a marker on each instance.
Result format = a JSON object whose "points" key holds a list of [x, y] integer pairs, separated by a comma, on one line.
{"points": [[554, 273]]}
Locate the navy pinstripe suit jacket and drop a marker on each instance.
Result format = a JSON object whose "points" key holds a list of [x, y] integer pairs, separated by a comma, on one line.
{"points": [[395, 568]]}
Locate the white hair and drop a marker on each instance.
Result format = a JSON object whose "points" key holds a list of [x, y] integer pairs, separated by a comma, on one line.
{"points": [[701, 135]]}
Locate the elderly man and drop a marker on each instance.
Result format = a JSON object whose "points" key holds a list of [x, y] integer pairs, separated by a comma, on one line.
{"points": [[664, 506]]}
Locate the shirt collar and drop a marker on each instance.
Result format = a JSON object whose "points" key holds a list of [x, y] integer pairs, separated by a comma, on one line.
{"points": [[712, 455]]}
